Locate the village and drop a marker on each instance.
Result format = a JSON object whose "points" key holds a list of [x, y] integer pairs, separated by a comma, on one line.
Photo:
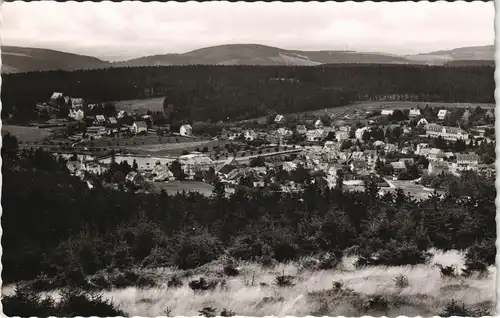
{"points": [[411, 149]]}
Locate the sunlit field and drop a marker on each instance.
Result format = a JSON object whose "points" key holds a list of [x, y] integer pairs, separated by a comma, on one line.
{"points": [[254, 292]]}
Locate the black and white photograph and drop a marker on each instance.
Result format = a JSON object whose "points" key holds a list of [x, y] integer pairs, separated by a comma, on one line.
{"points": [[248, 159]]}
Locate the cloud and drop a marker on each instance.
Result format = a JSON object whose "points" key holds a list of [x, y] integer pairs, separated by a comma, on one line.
{"points": [[127, 29]]}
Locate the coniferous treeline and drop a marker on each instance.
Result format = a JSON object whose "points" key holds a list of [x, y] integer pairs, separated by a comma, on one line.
{"points": [[54, 225], [218, 92]]}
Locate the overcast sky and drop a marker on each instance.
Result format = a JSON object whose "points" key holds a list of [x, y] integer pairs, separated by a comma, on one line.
{"points": [[130, 29]]}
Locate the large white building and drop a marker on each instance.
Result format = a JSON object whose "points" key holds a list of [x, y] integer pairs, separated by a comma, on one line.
{"points": [[447, 133]]}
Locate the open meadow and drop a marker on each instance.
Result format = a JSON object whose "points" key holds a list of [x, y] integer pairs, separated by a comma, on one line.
{"points": [[26, 133], [254, 290], [142, 105]]}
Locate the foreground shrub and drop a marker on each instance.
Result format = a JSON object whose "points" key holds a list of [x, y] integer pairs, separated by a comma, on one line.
{"points": [[249, 248], [447, 271], [26, 303], [208, 312], [227, 313], [401, 281], [202, 284], [231, 270], [76, 303], [194, 250], [454, 309], [394, 254], [284, 280], [377, 303], [478, 257]]}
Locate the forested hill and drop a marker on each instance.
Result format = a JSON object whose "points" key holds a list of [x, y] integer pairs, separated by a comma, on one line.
{"points": [[241, 92], [255, 54], [21, 59], [18, 59]]}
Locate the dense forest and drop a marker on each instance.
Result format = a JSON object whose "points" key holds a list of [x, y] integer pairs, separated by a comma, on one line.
{"points": [[239, 92], [59, 228]]}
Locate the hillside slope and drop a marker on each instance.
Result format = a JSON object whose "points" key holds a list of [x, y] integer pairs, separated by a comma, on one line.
{"points": [[21, 59], [255, 54], [471, 53]]}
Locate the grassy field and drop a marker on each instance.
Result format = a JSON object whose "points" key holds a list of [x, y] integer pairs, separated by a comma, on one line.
{"points": [[26, 133], [142, 105], [426, 294], [173, 187], [254, 292]]}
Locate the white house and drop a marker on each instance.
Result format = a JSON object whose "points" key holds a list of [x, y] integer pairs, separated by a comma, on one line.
{"points": [[100, 120], [162, 173], [422, 122], [318, 124], [284, 132], [186, 130], [435, 154], [76, 103], [194, 162], [55, 96], [139, 126], [414, 112], [466, 115], [121, 114], [250, 135], [279, 119], [76, 114], [112, 121], [442, 114], [421, 147]]}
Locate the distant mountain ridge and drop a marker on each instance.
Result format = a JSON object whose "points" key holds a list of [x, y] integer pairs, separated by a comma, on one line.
{"points": [[20, 59]]}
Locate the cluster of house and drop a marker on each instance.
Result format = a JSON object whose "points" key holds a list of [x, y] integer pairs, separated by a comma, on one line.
{"points": [[101, 125], [320, 156]]}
